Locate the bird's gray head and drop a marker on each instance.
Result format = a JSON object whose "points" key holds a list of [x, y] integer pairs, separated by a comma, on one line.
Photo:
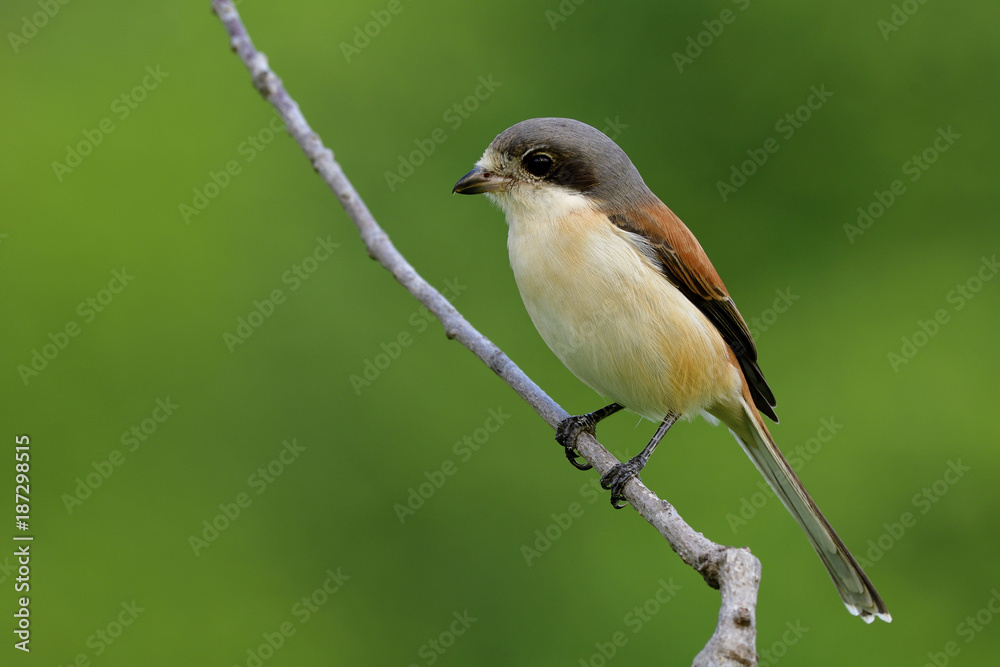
{"points": [[555, 156]]}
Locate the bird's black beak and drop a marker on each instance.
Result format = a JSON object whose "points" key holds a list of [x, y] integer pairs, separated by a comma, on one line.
{"points": [[477, 181]]}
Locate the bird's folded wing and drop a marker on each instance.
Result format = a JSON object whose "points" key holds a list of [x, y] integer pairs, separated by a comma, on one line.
{"points": [[682, 261]]}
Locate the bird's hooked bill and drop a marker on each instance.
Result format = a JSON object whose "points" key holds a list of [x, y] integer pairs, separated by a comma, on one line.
{"points": [[477, 182]]}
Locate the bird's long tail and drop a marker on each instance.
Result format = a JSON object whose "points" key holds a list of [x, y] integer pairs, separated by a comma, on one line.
{"points": [[856, 590]]}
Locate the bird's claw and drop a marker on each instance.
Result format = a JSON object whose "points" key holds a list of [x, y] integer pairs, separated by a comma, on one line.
{"points": [[569, 431], [616, 479]]}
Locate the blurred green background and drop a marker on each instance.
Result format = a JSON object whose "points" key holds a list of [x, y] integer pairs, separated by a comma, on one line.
{"points": [[156, 413]]}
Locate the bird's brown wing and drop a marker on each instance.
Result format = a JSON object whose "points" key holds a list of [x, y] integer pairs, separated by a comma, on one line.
{"points": [[683, 262]]}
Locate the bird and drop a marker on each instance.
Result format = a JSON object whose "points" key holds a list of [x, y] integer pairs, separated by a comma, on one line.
{"points": [[624, 295]]}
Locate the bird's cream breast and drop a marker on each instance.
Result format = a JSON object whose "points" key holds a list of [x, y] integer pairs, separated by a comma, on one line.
{"points": [[610, 316]]}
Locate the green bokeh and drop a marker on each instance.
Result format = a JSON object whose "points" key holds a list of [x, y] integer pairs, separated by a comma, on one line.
{"points": [[361, 449]]}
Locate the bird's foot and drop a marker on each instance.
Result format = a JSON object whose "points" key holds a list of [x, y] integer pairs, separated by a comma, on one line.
{"points": [[569, 431], [616, 479]]}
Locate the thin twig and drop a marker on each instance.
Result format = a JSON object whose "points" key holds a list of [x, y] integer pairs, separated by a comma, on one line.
{"points": [[736, 572]]}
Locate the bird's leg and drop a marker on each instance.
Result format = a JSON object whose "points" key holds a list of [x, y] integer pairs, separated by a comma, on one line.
{"points": [[570, 429], [616, 478]]}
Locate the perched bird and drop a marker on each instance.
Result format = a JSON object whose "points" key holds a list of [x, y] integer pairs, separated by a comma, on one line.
{"points": [[624, 295]]}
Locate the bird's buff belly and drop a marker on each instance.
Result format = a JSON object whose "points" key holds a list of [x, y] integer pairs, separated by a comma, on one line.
{"points": [[617, 323]]}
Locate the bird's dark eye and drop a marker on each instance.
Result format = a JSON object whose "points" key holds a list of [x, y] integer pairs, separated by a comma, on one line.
{"points": [[538, 164]]}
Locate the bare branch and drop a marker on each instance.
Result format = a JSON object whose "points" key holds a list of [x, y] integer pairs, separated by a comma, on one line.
{"points": [[736, 572]]}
